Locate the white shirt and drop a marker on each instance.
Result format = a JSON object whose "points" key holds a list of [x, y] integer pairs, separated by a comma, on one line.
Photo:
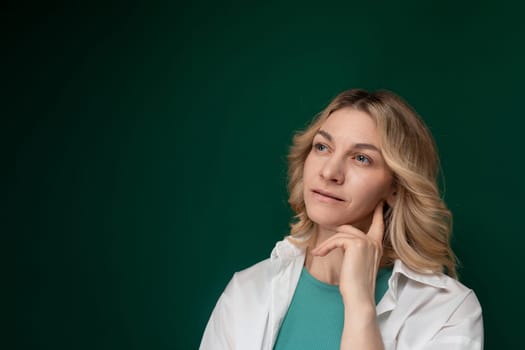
{"points": [[418, 311]]}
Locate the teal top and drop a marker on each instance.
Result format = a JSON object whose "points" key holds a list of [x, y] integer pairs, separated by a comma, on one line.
{"points": [[315, 317]]}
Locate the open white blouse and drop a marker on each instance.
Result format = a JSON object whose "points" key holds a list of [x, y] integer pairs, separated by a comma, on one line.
{"points": [[418, 311]]}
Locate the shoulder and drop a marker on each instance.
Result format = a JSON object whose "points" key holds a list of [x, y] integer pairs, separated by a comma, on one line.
{"points": [[240, 311], [247, 310], [432, 283], [435, 307], [256, 279], [431, 288]]}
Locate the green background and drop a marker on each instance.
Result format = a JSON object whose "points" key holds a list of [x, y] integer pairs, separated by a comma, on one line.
{"points": [[146, 150]]}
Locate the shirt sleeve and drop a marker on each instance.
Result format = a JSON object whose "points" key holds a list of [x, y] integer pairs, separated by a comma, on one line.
{"points": [[463, 330], [216, 334]]}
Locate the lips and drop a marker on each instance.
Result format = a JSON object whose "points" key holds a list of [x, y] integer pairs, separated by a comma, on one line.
{"points": [[327, 195]]}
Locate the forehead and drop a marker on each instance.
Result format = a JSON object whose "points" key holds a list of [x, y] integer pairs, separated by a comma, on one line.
{"points": [[348, 124]]}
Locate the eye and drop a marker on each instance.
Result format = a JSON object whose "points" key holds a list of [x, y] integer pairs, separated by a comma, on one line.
{"points": [[363, 159], [320, 147]]}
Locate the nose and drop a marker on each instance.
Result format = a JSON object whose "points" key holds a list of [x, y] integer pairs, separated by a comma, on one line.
{"points": [[333, 170]]}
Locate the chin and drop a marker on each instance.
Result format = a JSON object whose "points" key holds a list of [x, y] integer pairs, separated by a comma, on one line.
{"points": [[326, 220], [332, 222]]}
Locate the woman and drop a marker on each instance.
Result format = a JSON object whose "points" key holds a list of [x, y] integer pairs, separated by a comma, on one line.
{"points": [[368, 263]]}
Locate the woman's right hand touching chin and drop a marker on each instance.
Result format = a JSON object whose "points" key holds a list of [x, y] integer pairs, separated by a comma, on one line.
{"points": [[362, 256]]}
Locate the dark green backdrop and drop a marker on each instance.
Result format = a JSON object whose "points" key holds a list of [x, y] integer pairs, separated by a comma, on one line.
{"points": [[146, 149]]}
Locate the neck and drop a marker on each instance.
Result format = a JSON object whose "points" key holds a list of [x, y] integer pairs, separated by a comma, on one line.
{"points": [[325, 268]]}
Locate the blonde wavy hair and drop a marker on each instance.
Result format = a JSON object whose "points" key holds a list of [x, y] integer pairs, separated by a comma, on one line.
{"points": [[418, 226]]}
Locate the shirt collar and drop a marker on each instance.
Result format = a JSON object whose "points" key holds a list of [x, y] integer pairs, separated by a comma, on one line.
{"points": [[389, 300], [431, 279], [285, 251]]}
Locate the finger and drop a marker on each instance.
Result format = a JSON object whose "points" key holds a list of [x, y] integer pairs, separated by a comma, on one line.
{"points": [[327, 246], [330, 244], [349, 230], [377, 228]]}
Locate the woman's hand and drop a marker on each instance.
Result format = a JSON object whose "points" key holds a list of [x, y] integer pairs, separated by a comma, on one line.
{"points": [[362, 254]]}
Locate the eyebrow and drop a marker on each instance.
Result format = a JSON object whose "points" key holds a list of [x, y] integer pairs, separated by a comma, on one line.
{"points": [[368, 146]]}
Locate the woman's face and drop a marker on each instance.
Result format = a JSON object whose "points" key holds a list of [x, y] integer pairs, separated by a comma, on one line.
{"points": [[345, 176]]}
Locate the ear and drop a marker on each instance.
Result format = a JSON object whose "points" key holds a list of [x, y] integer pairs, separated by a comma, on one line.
{"points": [[392, 196]]}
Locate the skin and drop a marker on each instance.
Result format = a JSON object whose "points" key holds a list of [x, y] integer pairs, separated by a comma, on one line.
{"points": [[346, 183]]}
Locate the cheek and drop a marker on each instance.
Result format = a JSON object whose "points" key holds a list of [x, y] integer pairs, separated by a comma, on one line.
{"points": [[307, 167], [373, 189]]}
